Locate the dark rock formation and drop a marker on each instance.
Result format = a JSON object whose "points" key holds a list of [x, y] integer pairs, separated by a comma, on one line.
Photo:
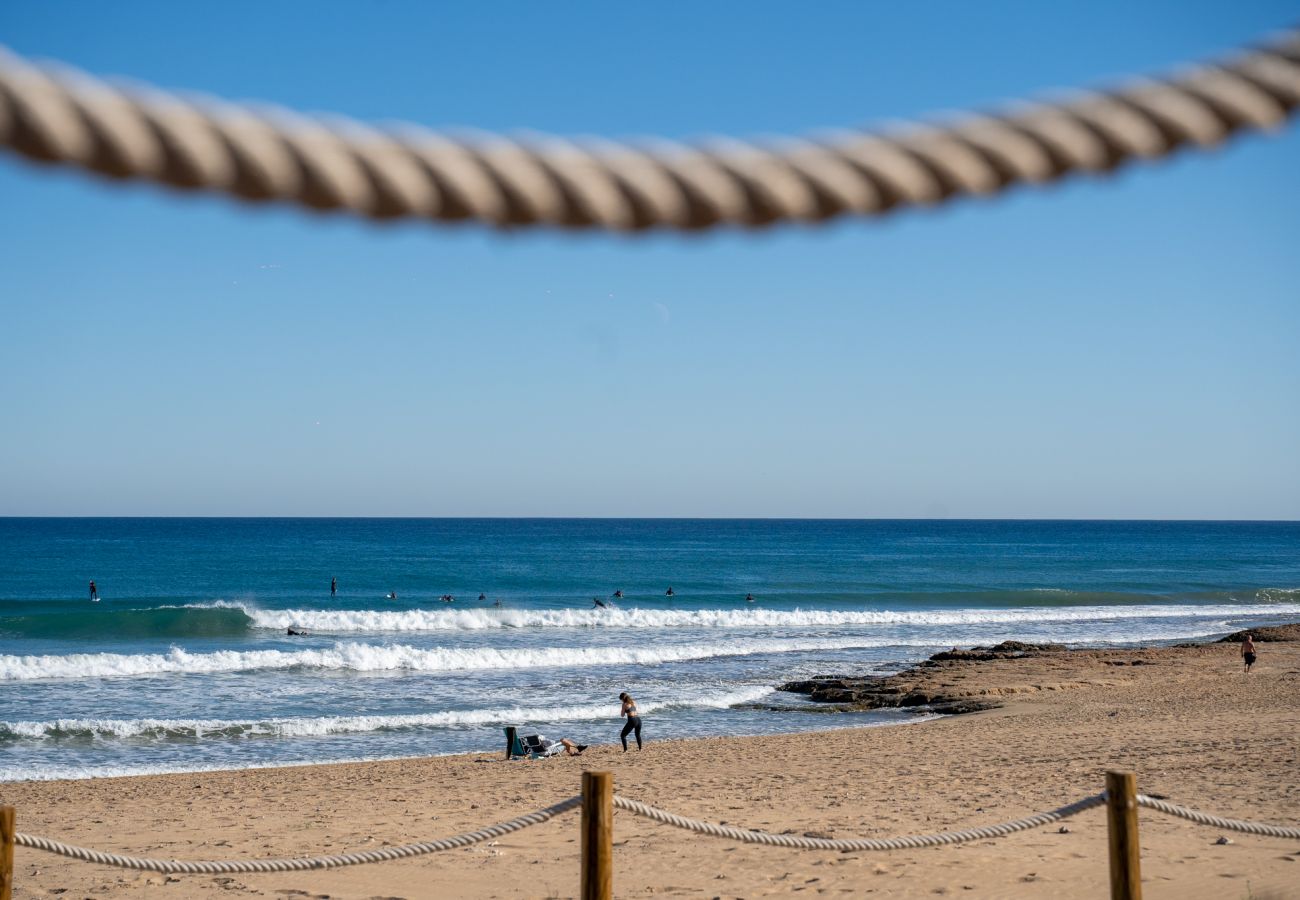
{"points": [[1265, 635]]}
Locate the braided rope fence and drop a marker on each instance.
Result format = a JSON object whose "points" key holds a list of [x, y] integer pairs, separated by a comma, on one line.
{"points": [[744, 835], [1201, 818], [297, 864], [54, 114], [910, 842]]}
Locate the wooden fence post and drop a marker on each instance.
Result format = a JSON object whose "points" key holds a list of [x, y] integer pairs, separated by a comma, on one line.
{"points": [[597, 836], [1122, 823], [7, 831]]}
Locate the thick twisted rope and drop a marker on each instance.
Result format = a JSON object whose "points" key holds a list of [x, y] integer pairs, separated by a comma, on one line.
{"points": [[57, 115], [1201, 818], [910, 842], [218, 867]]}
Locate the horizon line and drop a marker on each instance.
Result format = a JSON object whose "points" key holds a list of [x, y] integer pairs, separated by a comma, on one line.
{"points": [[1244, 521]]}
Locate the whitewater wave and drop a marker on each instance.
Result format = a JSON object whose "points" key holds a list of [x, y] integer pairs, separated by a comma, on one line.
{"points": [[358, 657], [372, 621], [327, 725]]}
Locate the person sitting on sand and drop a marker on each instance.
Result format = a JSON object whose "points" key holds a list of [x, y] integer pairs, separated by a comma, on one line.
{"points": [[633, 720], [572, 749], [1248, 651]]}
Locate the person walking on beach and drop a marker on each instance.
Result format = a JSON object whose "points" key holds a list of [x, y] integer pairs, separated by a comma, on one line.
{"points": [[1248, 651], [334, 586], [633, 722], [94, 591]]}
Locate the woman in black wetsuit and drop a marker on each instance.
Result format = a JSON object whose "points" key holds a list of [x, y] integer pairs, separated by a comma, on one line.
{"points": [[633, 720]]}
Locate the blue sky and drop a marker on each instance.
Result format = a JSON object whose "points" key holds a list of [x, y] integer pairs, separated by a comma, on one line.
{"points": [[1112, 348]]}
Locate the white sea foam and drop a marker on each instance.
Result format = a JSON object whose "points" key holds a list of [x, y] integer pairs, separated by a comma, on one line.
{"points": [[373, 621], [326, 725], [57, 772], [359, 657]]}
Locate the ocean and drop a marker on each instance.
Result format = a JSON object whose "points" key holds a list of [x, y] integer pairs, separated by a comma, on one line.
{"points": [[185, 663]]}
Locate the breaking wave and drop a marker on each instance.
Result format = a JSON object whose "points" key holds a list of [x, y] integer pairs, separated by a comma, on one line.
{"points": [[358, 657], [198, 729], [369, 621]]}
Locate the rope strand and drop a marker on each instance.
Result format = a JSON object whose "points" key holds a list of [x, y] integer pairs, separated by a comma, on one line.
{"points": [[1201, 818], [57, 115], [909, 842], [219, 867]]}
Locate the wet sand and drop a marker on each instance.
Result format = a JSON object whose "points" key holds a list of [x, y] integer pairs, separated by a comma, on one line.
{"points": [[1186, 720]]}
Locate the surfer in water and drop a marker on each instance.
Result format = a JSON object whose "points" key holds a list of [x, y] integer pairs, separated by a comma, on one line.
{"points": [[334, 586], [618, 595], [749, 598], [94, 591], [294, 632], [482, 598], [599, 603], [669, 593], [391, 595]]}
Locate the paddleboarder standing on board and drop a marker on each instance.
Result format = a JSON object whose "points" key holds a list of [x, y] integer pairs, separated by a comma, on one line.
{"points": [[94, 591]]}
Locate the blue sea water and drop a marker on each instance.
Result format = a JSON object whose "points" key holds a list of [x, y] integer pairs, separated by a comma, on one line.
{"points": [[185, 664]]}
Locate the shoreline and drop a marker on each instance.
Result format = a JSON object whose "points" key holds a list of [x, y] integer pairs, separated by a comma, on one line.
{"points": [[917, 688], [1189, 724]]}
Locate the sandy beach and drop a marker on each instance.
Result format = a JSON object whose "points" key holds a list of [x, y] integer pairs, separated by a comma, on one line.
{"points": [[1186, 720]]}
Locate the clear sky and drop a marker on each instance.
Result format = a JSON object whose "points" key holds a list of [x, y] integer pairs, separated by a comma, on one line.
{"points": [[1113, 348]]}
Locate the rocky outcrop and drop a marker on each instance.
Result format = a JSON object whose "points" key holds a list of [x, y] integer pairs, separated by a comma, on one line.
{"points": [[962, 681], [1004, 650], [1265, 635]]}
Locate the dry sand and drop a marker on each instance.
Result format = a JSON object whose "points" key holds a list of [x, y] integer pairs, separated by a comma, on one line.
{"points": [[1188, 722]]}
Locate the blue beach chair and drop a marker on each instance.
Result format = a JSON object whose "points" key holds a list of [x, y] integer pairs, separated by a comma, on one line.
{"points": [[515, 748]]}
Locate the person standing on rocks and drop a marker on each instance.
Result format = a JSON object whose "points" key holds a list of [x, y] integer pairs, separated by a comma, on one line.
{"points": [[1248, 651]]}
